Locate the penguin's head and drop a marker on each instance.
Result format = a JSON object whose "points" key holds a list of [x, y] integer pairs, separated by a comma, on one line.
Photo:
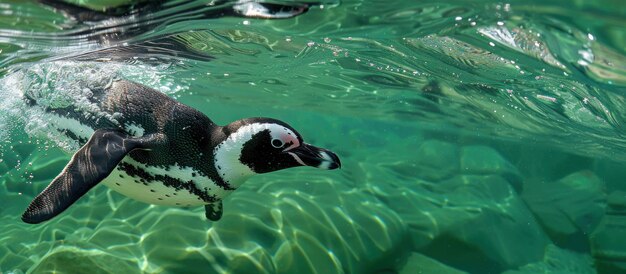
{"points": [[261, 145]]}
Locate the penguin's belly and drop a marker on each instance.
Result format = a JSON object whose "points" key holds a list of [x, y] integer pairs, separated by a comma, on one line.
{"points": [[154, 192], [145, 184]]}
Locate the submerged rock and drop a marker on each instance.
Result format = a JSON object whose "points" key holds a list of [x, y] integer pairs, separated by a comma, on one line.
{"points": [[557, 260], [474, 221], [436, 160], [332, 227], [612, 172], [418, 263], [484, 160], [497, 230], [569, 208], [75, 260], [268, 227], [608, 241]]}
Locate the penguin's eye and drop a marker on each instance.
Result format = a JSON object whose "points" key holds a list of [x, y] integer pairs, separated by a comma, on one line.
{"points": [[277, 143]]}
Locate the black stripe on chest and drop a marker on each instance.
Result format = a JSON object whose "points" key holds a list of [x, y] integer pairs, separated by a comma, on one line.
{"points": [[168, 181]]}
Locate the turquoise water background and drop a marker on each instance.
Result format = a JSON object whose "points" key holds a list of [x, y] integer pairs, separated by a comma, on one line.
{"points": [[475, 137]]}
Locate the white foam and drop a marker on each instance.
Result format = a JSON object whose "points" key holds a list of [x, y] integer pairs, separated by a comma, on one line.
{"points": [[67, 83], [11, 105]]}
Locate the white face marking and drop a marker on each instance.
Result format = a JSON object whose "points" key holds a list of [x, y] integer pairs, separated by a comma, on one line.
{"points": [[134, 129], [141, 192], [228, 152]]}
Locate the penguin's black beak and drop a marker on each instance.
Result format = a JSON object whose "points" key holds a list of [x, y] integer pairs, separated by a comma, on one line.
{"points": [[308, 155]]}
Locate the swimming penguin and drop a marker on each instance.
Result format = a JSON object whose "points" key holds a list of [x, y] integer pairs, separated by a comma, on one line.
{"points": [[149, 147], [112, 25]]}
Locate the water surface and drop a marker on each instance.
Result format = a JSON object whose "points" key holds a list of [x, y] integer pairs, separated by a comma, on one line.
{"points": [[482, 137]]}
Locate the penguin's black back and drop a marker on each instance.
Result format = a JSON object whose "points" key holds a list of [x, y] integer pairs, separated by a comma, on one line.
{"points": [[190, 135], [153, 110]]}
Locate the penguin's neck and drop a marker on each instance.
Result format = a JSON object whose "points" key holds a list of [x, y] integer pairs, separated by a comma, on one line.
{"points": [[227, 154]]}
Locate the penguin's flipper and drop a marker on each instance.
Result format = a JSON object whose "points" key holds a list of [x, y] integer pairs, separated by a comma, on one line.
{"points": [[214, 210], [90, 165]]}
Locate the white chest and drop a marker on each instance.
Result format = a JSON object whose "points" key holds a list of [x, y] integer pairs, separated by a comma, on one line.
{"points": [[154, 191]]}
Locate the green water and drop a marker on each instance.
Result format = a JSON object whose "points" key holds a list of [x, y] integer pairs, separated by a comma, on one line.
{"points": [[475, 137]]}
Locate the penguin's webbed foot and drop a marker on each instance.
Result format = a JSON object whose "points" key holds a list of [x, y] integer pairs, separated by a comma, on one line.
{"points": [[213, 211]]}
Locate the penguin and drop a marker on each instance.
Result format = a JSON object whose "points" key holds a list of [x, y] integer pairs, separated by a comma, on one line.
{"points": [[149, 147], [114, 25]]}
